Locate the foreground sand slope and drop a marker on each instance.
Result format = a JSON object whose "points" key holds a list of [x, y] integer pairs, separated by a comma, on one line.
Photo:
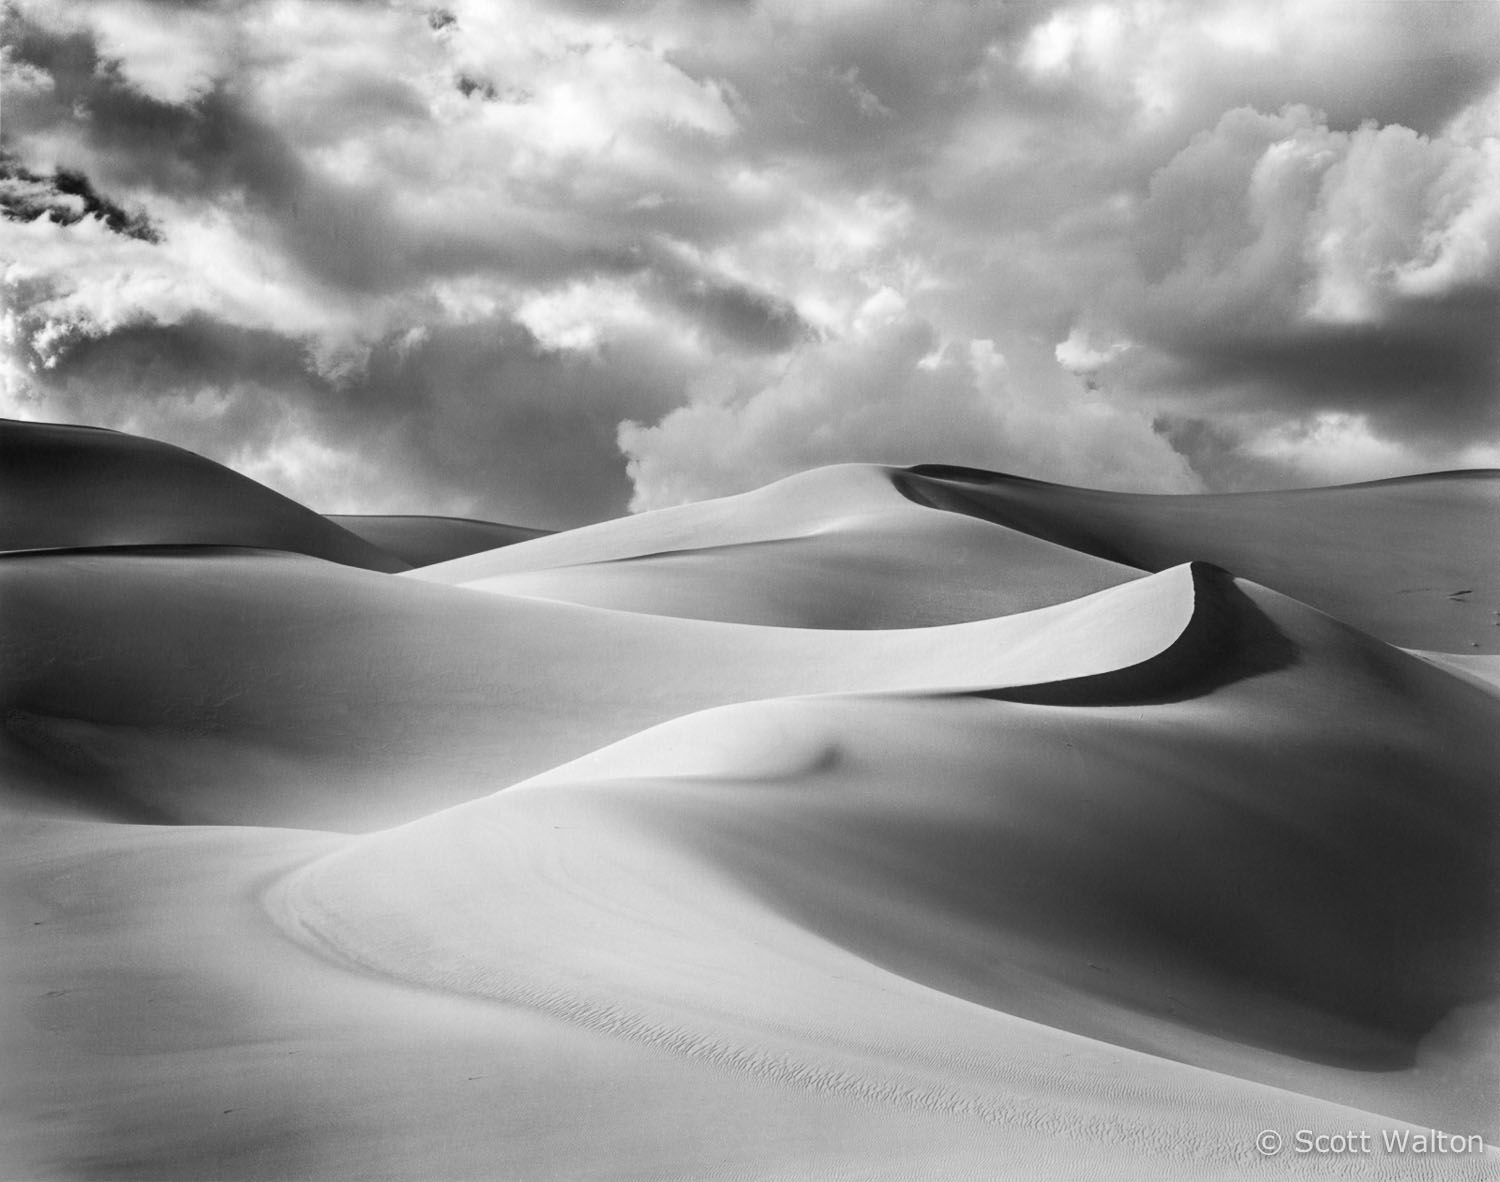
{"points": [[158, 1026], [1272, 854], [1233, 873], [66, 486]]}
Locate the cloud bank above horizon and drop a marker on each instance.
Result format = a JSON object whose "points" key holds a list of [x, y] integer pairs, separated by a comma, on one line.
{"points": [[547, 261]]}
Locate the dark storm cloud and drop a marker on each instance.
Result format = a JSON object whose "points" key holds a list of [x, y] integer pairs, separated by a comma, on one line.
{"points": [[735, 313], [214, 148], [1216, 453], [538, 228], [65, 197], [478, 419], [1282, 265], [153, 361], [1432, 370], [202, 149], [527, 433]]}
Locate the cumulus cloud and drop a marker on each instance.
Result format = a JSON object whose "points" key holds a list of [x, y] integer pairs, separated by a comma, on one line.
{"points": [[893, 390], [544, 259], [1346, 281]]}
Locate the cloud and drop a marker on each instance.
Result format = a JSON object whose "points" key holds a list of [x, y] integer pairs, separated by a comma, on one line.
{"points": [[1331, 277], [65, 198], [404, 251], [475, 420], [894, 391]]}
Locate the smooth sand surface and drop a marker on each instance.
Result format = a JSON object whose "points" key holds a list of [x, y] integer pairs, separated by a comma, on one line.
{"points": [[837, 547], [246, 688], [67, 486], [1414, 560], [420, 540], [318, 872]]}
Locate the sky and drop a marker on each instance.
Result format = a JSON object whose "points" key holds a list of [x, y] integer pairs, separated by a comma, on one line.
{"points": [[551, 261]]}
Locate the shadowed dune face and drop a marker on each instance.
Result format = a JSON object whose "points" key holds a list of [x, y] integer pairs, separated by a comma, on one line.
{"points": [[1257, 861], [834, 548], [422, 541], [879, 823], [65, 486], [1414, 561], [213, 687]]}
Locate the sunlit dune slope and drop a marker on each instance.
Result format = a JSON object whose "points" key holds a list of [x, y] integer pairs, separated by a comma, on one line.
{"points": [[66, 486], [836, 547], [1415, 560], [879, 824], [1272, 856], [1483, 670], [422, 540], [236, 687]]}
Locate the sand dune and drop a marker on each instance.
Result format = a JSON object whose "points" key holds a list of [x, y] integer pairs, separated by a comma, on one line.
{"points": [[1414, 561], [877, 824], [210, 687], [833, 548], [422, 540], [65, 486], [1014, 854]]}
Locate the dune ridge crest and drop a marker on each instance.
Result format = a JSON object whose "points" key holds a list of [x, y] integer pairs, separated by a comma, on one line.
{"points": [[1225, 638], [879, 823], [185, 684], [1414, 560], [65, 486], [78, 487]]}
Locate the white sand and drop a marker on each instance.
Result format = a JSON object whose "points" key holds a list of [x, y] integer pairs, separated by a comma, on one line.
{"points": [[708, 888], [837, 547]]}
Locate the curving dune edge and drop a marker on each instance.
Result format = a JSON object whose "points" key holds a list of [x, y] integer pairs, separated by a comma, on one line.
{"points": [[876, 824]]}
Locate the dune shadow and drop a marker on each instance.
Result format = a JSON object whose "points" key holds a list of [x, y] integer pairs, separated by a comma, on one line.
{"points": [[934, 486], [1227, 639]]}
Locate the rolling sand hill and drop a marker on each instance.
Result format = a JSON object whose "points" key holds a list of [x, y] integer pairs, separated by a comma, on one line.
{"points": [[837, 547], [422, 540], [877, 824], [1415, 560], [66, 486]]}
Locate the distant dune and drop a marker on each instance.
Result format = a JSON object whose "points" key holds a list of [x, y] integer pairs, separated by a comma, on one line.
{"points": [[880, 823], [422, 540], [1415, 561], [65, 487], [833, 548]]}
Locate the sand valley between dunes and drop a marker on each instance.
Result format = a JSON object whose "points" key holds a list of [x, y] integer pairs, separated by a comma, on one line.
{"points": [[881, 823]]}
